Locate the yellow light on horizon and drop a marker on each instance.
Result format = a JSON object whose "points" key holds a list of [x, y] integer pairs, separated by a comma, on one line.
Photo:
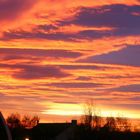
{"points": [[62, 112], [77, 110]]}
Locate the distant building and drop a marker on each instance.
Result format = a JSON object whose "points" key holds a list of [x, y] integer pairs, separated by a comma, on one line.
{"points": [[54, 131]]}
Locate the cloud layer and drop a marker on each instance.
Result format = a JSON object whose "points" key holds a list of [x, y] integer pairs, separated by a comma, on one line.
{"points": [[58, 57]]}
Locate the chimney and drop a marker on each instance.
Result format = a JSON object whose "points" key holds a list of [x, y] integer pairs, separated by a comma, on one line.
{"points": [[74, 122]]}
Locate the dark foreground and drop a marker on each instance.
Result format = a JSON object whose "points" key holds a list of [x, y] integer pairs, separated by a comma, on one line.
{"points": [[67, 132]]}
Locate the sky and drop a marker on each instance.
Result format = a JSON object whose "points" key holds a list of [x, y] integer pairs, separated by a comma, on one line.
{"points": [[55, 55]]}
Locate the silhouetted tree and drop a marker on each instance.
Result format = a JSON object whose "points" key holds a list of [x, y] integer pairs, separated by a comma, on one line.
{"points": [[91, 118], [88, 114], [110, 124], [97, 122], [123, 124], [13, 120], [29, 122]]}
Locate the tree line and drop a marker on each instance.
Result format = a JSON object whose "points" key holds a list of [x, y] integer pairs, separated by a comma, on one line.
{"points": [[93, 120], [15, 120]]}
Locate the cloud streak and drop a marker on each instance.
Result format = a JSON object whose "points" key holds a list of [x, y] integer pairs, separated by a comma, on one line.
{"points": [[128, 88], [30, 72], [126, 56], [11, 9]]}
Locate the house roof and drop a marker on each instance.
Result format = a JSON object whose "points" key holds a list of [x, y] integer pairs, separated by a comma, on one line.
{"points": [[51, 129]]}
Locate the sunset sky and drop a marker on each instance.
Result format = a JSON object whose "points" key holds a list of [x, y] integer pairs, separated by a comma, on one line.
{"points": [[57, 54]]}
